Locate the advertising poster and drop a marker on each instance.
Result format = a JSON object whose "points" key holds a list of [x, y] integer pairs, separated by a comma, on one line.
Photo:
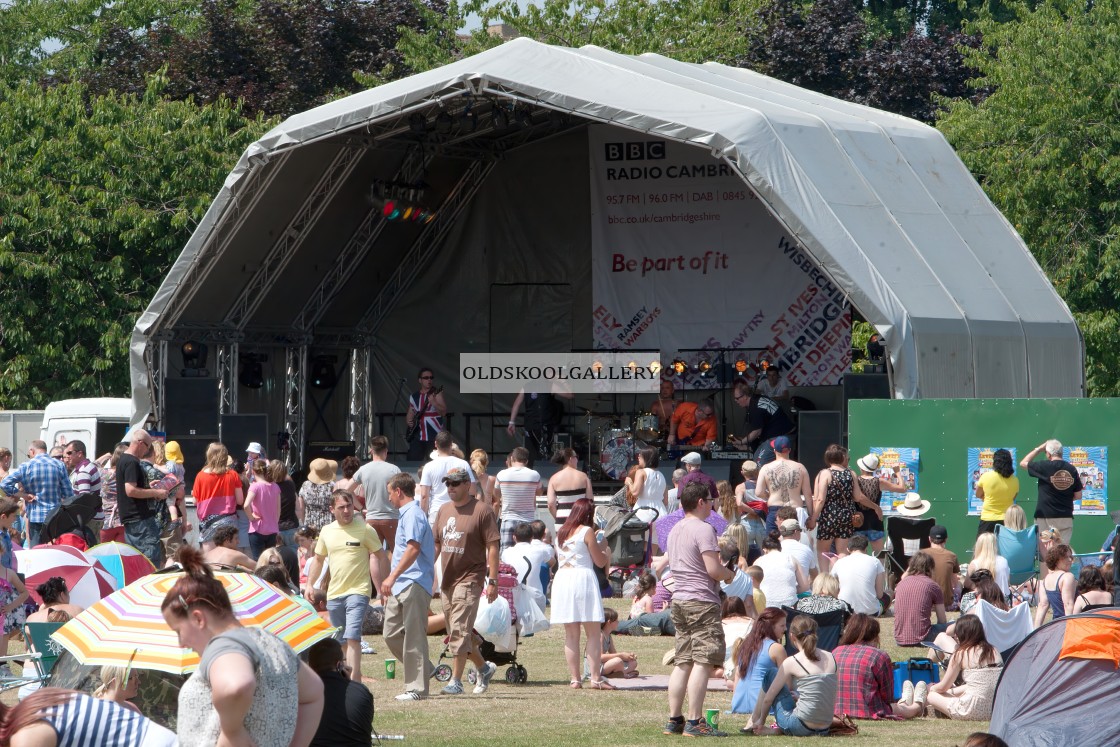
{"points": [[686, 257], [1092, 464], [979, 462], [907, 459]]}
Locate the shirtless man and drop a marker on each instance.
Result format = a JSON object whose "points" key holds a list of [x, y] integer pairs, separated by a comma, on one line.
{"points": [[225, 550], [783, 482], [664, 405]]}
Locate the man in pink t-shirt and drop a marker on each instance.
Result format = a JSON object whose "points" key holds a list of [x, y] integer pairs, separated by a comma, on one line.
{"points": [[700, 647]]}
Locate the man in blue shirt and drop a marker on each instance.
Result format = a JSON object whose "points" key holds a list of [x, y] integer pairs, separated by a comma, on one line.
{"points": [[406, 591], [42, 483]]}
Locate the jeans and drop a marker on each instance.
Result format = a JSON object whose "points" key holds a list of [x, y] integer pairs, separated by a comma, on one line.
{"points": [[659, 621], [34, 529], [288, 537], [143, 534], [258, 543], [787, 722]]}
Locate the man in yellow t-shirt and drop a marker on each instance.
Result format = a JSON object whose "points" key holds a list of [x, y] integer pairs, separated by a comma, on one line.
{"points": [[356, 559]]}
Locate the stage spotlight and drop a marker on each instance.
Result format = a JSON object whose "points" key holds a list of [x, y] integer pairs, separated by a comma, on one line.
{"points": [[500, 119], [704, 366], [679, 366], [444, 124], [468, 121], [407, 214], [418, 123], [655, 366], [740, 365], [523, 116], [597, 366], [194, 355], [252, 372], [323, 375], [765, 364]]}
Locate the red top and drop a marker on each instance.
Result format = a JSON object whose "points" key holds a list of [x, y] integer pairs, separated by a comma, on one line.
{"points": [[216, 495], [914, 600], [866, 682]]}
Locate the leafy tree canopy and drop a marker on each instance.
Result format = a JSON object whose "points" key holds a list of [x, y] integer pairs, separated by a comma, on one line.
{"points": [[1045, 146], [99, 196]]}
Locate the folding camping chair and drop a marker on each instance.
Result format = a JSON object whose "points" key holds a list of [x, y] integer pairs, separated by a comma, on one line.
{"points": [[907, 536], [1019, 547], [42, 653], [830, 625]]}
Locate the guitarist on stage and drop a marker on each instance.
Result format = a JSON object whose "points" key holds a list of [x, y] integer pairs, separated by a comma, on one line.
{"points": [[426, 409]]}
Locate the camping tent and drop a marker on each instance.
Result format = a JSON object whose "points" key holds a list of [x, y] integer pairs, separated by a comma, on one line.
{"points": [[291, 261], [1056, 689]]}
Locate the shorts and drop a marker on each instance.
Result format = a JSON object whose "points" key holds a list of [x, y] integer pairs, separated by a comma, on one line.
{"points": [[505, 530], [460, 609], [699, 633], [872, 535], [348, 613]]}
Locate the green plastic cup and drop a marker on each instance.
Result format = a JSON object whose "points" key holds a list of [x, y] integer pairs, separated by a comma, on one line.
{"points": [[390, 669], [711, 715]]}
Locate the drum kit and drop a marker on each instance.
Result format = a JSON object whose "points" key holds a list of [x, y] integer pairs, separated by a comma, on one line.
{"points": [[619, 447]]}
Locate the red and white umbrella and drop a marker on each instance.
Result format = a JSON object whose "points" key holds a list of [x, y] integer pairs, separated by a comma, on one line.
{"points": [[85, 577], [125, 562]]}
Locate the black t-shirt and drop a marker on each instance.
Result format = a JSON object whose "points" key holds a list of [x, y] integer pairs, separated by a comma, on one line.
{"points": [[347, 713], [542, 410], [765, 413], [1057, 482], [288, 518], [129, 470]]}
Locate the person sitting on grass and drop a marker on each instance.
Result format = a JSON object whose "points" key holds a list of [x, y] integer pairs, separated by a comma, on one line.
{"points": [[757, 576], [737, 624], [615, 663], [756, 664], [977, 663], [225, 550], [813, 674], [915, 597], [119, 685], [867, 678], [1059, 588], [1092, 590]]}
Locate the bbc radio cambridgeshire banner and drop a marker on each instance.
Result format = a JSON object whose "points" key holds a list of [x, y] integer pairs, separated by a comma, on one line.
{"points": [[685, 256]]}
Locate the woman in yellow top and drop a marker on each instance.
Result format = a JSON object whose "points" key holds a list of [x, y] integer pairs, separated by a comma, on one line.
{"points": [[998, 489]]}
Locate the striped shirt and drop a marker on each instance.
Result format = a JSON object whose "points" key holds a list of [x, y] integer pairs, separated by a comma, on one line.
{"points": [[84, 721], [519, 486], [914, 600], [46, 479], [86, 478]]}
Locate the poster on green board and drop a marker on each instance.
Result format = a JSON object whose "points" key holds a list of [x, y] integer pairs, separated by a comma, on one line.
{"points": [[906, 458], [1092, 465], [979, 462]]}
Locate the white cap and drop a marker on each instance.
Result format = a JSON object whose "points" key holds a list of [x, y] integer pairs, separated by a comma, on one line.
{"points": [[255, 448], [692, 457]]}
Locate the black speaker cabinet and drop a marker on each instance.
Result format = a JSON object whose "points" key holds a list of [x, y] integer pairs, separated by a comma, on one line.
{"points": [[238, 431], [336, 450], [816, 429], [191, 408], [866, 386]]}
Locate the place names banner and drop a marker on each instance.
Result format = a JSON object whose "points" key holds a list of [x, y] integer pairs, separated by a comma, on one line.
{"points": [[684, 255]]}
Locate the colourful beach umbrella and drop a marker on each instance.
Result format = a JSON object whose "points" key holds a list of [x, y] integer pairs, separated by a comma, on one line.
{"points": [[87, 580], [129, 626], [125, 562]]}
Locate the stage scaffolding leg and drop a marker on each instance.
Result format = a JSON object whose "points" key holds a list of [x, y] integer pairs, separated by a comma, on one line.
{"points": [[360, 400], [295, 402], [227, 378]]}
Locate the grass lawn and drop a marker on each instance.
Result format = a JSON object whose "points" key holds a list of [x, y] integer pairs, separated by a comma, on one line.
{"points": [[545, 711]]}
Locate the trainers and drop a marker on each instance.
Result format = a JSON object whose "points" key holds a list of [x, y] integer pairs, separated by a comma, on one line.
{"points": [[907, 693], [367, 649], [452, 688], [702, 730], [412, 695], [920, 692], [484, 678], [673, 728]]}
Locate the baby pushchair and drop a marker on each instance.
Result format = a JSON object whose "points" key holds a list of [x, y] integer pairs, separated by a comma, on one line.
{"points": [[501, 653], [629, 539]]}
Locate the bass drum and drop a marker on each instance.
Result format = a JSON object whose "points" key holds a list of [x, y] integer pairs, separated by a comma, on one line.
{"points": [[616, 453]]}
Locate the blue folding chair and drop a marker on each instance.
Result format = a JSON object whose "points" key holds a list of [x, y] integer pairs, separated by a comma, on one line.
{"points": [[1019, 547]]}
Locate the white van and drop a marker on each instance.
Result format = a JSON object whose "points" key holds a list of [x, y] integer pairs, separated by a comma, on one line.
{"points": [[100, 422]]}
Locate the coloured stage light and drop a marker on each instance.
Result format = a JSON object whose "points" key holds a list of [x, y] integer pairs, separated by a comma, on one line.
{"points": [[655, 366], [740, 365], [704, 367], [679, 366]]}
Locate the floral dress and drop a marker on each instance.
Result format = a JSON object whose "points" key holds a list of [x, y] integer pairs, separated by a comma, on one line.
{"points": [[15, 619], [835, 521], [316, 504]]}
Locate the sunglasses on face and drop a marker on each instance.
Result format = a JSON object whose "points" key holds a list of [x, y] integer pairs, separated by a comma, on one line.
{"points": [[455, 483], [427, 377]]}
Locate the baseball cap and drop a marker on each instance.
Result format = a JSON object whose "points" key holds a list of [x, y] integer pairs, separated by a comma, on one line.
{"points": [[781, 443], [789, 526], [939, 533], [457, 475], [692, 457]]}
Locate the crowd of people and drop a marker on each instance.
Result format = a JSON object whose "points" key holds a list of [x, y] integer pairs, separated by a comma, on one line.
{"points": [[733, 574]]}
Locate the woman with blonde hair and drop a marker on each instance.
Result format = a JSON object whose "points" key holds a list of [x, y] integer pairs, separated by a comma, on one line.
{"points": [[118, 685], [217, 492], [825, 597], [479, 461], [726, 505], [1015, 517], [738, 534], [985, 554]]}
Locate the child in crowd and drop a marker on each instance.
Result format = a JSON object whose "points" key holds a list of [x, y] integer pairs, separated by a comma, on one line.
{"points": [[119, 685], [614, 662], [741, 586], [306, 538], [643, 595], [757, 574], [12, 596], [752, 511], [9, 512], [262, 505]]}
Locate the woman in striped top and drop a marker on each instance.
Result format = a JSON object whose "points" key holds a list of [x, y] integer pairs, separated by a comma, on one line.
{"points": [[50, 717], [567, 486]]}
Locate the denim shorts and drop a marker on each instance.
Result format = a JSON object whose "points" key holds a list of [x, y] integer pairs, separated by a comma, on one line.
{"points": [[347, 614], [872, 535]]}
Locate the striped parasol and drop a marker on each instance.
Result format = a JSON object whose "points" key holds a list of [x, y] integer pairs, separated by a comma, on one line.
{"points": [[86, 579], [125, 562], [129, 626]]}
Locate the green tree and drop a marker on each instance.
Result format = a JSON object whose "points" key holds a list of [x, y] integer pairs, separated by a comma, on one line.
{"points": [[99, 196], [1045, 146]]}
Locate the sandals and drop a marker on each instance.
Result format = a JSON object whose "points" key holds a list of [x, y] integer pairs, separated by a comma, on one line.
{"points": [[575, 685], [601, 685]]}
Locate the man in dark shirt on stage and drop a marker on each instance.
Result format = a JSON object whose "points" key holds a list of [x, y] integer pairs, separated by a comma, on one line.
{"points": [[766, 420]]}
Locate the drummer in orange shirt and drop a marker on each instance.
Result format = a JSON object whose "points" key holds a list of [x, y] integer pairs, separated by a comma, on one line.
{"points": [[693, 424]]}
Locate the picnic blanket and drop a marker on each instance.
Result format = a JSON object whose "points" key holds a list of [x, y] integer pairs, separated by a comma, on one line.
{"points": [[660, 682]]}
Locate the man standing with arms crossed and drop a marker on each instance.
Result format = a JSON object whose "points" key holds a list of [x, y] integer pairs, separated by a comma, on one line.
{"points": [[700, 647], [466, 536], [406, 590], [355, 556]]}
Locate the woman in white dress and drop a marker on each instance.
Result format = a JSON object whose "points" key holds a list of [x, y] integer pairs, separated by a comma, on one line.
{"points": [[782, 578], [576, 599], [648, 485]]}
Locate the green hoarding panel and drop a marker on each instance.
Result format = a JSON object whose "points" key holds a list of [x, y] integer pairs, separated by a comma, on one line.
{"points": [[944, 429]]}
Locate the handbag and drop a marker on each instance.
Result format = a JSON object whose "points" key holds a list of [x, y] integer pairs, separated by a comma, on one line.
{"points": [[857, 520]]}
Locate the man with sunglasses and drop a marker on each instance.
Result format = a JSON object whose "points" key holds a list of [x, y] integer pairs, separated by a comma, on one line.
{"points": [[84, 475], [137, 503], [693, 424], [426, 408], [42, 484]]}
